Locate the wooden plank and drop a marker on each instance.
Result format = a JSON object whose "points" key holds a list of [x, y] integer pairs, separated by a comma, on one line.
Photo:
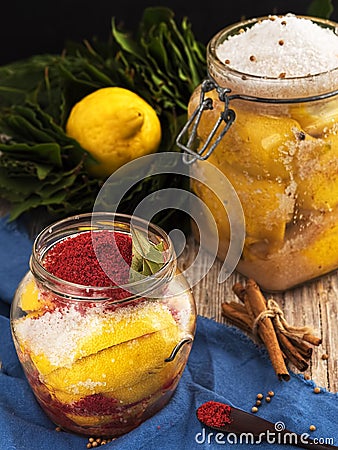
{"points": [[329, 308]]}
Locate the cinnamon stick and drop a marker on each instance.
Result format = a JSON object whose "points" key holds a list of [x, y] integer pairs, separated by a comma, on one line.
{"points": [[304, 349], [237, 315], [291, 353], [312, 339], [239, 290], [255, 304]]}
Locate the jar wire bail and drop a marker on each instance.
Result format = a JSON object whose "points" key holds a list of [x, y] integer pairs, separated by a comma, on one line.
{"points": [[227, 117], [177, 348]]}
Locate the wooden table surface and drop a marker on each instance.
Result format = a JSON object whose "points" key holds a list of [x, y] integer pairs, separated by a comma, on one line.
{"points": [[314, 304]]}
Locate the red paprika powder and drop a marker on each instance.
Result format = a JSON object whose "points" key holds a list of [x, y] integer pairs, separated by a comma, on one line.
{"points": [[91, 258], [214, 414]]}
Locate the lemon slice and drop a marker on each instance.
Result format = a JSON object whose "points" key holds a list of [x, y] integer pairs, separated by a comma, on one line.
{"points": [[317, 177], [115, 368], [317, 118], [29, 299], [259, 145]]}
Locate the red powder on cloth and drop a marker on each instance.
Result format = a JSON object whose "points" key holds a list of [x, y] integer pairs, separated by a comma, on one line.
{"points": [[214, 414], [92, 258]]}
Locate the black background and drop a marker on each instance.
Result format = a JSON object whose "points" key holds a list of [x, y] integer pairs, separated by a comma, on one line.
{"points": [[39, 26]]}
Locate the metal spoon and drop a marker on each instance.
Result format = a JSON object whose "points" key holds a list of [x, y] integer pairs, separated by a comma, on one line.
{"points": [[259, 429]]}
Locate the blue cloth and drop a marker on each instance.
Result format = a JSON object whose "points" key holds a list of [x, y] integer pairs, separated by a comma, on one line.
{"points": [[15, 250], [224, 365]]}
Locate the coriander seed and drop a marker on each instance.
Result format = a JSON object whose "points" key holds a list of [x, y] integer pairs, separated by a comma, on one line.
{"points": [[316, 390], [258, 402], [312, 428], [268, 399], [301, 135], [260, 396], [271, 393], [254, 409]]}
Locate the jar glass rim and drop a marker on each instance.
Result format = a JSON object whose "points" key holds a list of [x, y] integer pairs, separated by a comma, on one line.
{"points": [[234, 29], [96, 221]]}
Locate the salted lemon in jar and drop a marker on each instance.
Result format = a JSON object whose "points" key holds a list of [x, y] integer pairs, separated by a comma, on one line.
{"points": [[280, 75], [103, 344]]}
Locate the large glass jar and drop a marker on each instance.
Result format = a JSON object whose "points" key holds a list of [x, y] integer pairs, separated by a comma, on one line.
{"points": [[281, 155], [102, 358]]}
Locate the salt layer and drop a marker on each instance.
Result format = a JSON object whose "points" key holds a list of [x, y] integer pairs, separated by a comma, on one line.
{"points": [[283, 48], [282, 45], [64, 335]]}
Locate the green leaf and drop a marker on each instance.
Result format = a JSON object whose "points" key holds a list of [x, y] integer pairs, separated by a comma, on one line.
{"points": [[49, 153], [51, 189], [21, 207], [147, 258], [320, 8], [42, 170], [126, 42]]}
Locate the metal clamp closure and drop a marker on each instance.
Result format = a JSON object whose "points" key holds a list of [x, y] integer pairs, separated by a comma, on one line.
{"points": [[226, 118], [177, 348]]}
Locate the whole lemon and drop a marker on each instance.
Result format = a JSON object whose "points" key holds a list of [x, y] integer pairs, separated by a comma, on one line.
{"points": [[115, 126]]}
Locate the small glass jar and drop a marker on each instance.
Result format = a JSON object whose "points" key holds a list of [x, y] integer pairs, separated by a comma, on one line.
{"points": [[279, 150], [102, 359]]}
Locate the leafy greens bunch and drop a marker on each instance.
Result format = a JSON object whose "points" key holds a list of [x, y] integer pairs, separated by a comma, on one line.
{"points": [[40, 166]]}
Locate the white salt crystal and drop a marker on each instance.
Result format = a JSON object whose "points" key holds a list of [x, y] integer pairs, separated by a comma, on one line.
{"points": [[280, 49], [57, 334], [282, 45]]}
